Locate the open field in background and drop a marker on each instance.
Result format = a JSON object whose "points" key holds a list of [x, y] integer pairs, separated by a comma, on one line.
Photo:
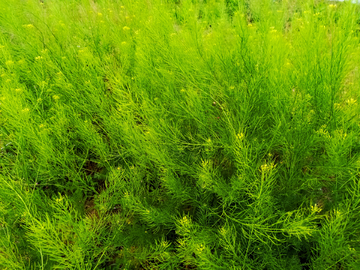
{"points": [[179, 134]]}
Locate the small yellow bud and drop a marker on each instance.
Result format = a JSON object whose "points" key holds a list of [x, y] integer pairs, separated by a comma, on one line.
{"points": [[240, 136], [28, 26]]}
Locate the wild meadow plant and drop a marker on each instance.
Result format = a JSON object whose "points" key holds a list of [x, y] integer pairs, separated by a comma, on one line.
{"points": [[179, 134]]}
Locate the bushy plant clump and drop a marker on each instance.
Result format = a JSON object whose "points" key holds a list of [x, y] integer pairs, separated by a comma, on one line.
{"points": [[203, 134]]}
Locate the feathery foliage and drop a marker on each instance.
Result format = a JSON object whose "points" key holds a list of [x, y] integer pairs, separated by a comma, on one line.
{"points": [[179, 134]]}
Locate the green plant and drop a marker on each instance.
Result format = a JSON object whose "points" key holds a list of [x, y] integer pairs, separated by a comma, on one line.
{"points": [[179, 135]]}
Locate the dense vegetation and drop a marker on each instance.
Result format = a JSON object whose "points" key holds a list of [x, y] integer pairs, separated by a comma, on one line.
{"points": [[179, 134]]}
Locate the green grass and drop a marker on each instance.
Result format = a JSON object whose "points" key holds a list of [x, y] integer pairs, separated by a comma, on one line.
{"points": [[179, 134]]}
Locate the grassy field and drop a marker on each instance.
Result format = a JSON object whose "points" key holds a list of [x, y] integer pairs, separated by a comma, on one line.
{"points": [[179, 134]]}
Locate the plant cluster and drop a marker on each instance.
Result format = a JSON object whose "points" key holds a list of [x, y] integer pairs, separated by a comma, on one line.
{"points": [[179, 134]]}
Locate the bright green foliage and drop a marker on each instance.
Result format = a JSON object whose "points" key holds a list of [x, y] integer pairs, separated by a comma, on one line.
{"points": [[179, 134]]}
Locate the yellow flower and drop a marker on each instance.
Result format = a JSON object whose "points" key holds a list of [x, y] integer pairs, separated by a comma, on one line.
{"points": [[59, 199], [56, 97], [99, 14], [26, 110], [125, 28], [249, 24], [38, 57], [28, 26], [123, 43], [9, 63], [200, 247], [315, 209], [232, 87], [351, 101], [240, 136], [185, 221], [267, 167]]}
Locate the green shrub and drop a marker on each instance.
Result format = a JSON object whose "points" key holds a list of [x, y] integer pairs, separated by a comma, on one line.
{"points": [[179, 135]]}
